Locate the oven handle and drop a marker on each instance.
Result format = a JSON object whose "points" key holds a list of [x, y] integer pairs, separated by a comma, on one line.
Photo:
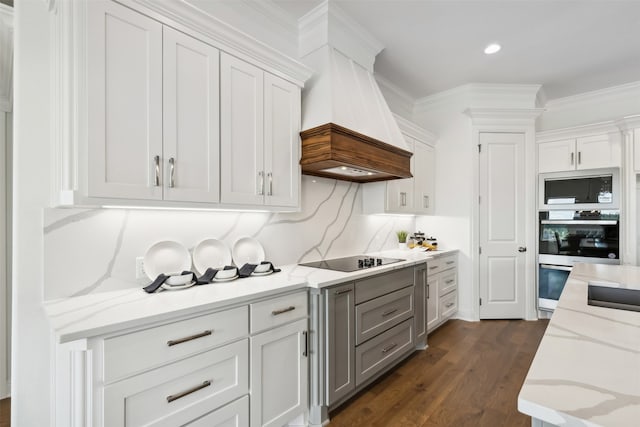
{"points": [[580, 222], [555, 267]]}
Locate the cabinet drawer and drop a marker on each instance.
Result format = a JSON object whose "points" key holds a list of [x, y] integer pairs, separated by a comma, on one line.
{"points": [[132, 353], [378, 315], [177, 393], [278, 311], [448, 282], [441, 264], [235, 414], [382, 284], [449, 305], [377, 354]]}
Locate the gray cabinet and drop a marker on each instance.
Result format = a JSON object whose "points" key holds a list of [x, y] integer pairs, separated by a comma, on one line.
{"points": [[340, 341]]}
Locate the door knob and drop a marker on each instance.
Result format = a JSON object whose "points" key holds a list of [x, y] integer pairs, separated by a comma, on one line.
{"points": [[522, 249]]}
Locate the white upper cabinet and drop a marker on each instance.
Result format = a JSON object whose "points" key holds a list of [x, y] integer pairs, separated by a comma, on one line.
{"points": [[191, 128], [585, 152], [124, 83], [260, 136], [424, 161], [399, 192], [153, 116]]}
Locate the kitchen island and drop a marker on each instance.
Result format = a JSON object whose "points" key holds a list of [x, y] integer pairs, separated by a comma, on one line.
{"points": [[586, 371]]}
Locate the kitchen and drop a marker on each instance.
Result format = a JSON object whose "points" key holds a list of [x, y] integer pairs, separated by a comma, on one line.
{"points": [[99, 246]]}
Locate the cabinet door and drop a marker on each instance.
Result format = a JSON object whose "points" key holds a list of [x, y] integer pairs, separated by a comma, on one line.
{"points": [[557, 156], [420, 316], [243, 177], [399, 197], [433, 305], [124, 88], [597, 151], [281, 141], [279, 374], [340, 341], [423, 178], [190, 119]]}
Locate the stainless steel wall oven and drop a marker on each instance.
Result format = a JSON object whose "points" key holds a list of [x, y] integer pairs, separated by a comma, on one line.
{"points": [[567, 237]]}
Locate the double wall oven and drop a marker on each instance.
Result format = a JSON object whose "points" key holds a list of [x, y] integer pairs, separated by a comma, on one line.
{"points": [[579, 221]]}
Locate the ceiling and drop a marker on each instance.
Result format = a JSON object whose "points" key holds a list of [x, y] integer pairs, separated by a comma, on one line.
{"points": [[570, 46]]}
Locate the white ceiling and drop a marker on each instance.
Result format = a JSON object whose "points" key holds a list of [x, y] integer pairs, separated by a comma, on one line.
{"points": [[568, 46]]}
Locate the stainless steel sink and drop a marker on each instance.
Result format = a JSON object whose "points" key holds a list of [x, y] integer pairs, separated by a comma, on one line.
{"points": [[601, 295]]}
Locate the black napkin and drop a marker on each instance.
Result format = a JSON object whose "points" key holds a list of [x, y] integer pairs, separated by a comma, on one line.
{"points": [[155, 285], [209, 275], [248, 269]]}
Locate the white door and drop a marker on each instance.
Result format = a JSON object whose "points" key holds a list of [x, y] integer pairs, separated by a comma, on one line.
{"points": [[557, 156], [423, 178], [191, 119], [243, 177], [502, 226], [279, 369], [597, 152], [281, 141], [124, 86]]}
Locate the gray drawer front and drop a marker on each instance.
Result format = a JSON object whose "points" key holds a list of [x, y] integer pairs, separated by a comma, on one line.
{"points": [[378, 315], [376, 286], [377, 354]]}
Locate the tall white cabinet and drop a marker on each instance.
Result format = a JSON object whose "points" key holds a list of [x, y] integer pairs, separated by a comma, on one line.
{"points": [[176, 117]]}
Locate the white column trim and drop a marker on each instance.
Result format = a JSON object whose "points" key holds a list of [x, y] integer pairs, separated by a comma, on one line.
{"points": [[6, 58], [514, 121], [4, 303]]}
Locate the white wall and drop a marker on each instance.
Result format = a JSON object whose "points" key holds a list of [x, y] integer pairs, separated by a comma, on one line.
{"points": [[31, 354]]}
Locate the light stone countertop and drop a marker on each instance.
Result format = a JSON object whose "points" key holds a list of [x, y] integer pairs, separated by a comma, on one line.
{"points": [[96, 314], [586, 371]]}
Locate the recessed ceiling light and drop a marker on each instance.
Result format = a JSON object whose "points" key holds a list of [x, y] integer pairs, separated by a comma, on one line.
{"points": [[492, 48]]}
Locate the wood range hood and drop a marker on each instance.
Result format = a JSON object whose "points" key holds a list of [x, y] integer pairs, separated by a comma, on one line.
{"points": [[333, 151]]}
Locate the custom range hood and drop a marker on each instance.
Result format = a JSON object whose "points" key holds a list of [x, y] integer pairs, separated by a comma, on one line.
{"points": [[349, 132]]}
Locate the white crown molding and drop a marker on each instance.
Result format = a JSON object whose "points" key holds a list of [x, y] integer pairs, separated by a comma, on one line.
{"points": [[579, 99], [415, 131], [629, 122], [273, 14], [328, 24], [6, 58], [485, 116], [225, 36], [407, 101], [578, 131], [51, 5]]}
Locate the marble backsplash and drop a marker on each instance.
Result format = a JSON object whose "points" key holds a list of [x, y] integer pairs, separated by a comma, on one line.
{"points": [[94, 250]]}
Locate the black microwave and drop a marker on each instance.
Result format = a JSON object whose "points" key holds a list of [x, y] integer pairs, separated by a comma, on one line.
{"points": [[580, 190]]}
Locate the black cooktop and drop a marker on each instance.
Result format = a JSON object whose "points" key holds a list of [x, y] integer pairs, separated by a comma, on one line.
{"points": [[352, 263]]}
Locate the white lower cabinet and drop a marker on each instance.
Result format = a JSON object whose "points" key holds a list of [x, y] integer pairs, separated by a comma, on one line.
{"points": [[442, 290], [234, 414]]}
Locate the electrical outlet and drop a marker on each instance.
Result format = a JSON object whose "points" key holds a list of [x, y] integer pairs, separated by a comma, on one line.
{"points": [[140, 274]]}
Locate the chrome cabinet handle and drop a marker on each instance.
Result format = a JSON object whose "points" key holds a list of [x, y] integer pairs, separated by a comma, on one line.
{"points": [[156, 162], [283, 310], [390, 312], [189, 338], [306, 343], [343, 291], [572, 155], [449, 305], [261, 183], [450, 262], [425, 200], [428, 287], [182, 394], [389, 348], [449, 281], [172, 166], [433, 267], [522, 249], [270, 176], [579, 157], [403, 199]]}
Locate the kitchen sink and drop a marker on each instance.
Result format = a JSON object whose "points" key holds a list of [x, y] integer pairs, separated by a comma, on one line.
{"points": [[603, 295]]}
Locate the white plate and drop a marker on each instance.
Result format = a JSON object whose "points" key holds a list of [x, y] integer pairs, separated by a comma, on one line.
{"points": [[228, 279], [166, 257], [247, 250], [176, 287], [212, 253], [265, 273]]}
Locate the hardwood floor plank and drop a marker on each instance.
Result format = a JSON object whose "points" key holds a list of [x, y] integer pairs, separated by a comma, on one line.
{"points": [[5, 413], [470, 375]]}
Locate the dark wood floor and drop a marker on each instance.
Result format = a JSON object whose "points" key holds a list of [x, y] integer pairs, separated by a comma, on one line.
{"points": [[5, 413], [470, 375]]}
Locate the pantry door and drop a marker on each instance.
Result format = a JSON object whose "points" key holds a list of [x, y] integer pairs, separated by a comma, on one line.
{"points": [[502, 225]]}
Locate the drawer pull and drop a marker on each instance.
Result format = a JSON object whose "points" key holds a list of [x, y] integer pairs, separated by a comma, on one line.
{"points": [[428, 291], [433, 267], [344, 291], [450, 304], [305, 334], [182, 394], [450, 262], [387, 313], [388, 348], [449, 281], [282, 310], [189, 338]]}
